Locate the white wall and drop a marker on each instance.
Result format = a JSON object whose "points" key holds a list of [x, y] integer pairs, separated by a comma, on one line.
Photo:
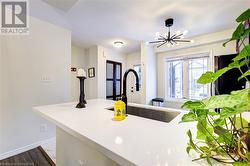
{"points": [[149, 79], [96, 56], [214, 46], [78, 60], [45, 52], [1, 92], [91, 83], [105, 54], [131, 60]]}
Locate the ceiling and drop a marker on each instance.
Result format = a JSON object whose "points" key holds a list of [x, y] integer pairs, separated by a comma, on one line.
{"points": [[132, 21]]}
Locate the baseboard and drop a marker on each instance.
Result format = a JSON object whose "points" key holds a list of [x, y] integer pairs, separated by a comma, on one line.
{"points": [[24, 149]]}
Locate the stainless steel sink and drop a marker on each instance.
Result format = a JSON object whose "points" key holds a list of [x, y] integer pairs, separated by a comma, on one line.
{"points": [[158, 115]]}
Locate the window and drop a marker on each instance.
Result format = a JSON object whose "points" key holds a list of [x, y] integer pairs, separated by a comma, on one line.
{"points": [[196, 68], [137, 68], [176, 79], [182, 76]]}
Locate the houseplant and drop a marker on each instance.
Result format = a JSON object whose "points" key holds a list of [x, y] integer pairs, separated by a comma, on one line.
{"points": [[223, 137]]}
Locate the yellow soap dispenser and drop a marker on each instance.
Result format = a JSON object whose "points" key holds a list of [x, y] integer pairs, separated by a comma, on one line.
{"points": [[119, 111]]}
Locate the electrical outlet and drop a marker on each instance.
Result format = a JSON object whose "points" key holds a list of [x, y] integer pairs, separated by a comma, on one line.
{"points": [[43, 128], [46, 78]]}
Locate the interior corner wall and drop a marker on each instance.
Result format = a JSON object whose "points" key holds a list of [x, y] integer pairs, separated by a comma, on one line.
{"points": [[78, 60], [105, 54], [149, 75], [215, 48], [91, 88], [1, 92], [36, 71]]}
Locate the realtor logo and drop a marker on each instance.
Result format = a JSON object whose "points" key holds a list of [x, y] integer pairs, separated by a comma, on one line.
{"points": [[14, 17]]}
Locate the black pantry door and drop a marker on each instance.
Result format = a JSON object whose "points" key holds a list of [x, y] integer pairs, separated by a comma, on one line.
{"points": [[113, 80]]}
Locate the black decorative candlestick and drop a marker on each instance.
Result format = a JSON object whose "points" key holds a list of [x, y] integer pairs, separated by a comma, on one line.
{"points": [[82, 100]]}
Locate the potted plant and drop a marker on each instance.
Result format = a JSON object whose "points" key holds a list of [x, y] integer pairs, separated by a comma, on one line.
{"points": [[225, 136]]}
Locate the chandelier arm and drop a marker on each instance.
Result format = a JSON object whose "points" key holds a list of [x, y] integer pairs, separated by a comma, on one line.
{"points": [[173, 36], [182, 40], [178, 36], [157, 41], [174, 41], [161, 44], [163, 37], [171, 42]]}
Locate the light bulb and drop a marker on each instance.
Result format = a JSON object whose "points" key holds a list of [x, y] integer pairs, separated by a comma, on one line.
{"points": [[178, 32], [157, 34], [192, 41], [185, 32]]}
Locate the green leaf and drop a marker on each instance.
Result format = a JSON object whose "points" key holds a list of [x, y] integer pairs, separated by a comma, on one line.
{"points": [[210, 77], [201, 114], [241, 123], [206, 78], [224, 134], [227, 112], [191, 143], [204, 149], [192, 105], [188, 149], [209, 161], [190, 117], [243, 53], [203, 129], [219, 122], [237, 100], [248, 155], [212, 113], [237, 34], [224, 44], [221, 101], [247, 73], [240, 163], [244, 16], [237, 64], [246, 32]]}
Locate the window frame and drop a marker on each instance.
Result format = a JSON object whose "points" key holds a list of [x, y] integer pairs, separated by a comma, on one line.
{"points": [[185, 59]]}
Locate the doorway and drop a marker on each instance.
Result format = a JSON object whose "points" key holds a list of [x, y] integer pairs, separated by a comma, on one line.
{"points": [[133, 95], [113, 79]]}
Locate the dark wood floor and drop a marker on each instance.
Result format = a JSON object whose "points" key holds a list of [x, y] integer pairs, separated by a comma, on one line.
{"points": [[34, 157]]}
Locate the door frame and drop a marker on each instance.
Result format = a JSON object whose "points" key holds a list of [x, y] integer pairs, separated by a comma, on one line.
{"points": [[114, 79]]}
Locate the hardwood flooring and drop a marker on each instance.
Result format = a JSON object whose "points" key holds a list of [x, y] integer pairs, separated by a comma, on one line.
{"points": [[34, 157]]}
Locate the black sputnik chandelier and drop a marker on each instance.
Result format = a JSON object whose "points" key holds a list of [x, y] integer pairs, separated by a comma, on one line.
{"points": [[168, 38]]}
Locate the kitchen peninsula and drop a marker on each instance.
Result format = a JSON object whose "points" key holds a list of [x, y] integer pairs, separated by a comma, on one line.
{"points": [[89, 136]]}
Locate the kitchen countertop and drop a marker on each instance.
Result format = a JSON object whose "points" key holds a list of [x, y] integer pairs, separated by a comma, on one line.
{"points": [[134, 141]]}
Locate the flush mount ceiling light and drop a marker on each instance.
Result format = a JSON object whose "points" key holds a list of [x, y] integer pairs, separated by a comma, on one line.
{"points": [[118, 44], [168, 38]]}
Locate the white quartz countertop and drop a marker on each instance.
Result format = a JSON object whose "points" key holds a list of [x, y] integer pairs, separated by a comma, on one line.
{"points": [[134, 141]]}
